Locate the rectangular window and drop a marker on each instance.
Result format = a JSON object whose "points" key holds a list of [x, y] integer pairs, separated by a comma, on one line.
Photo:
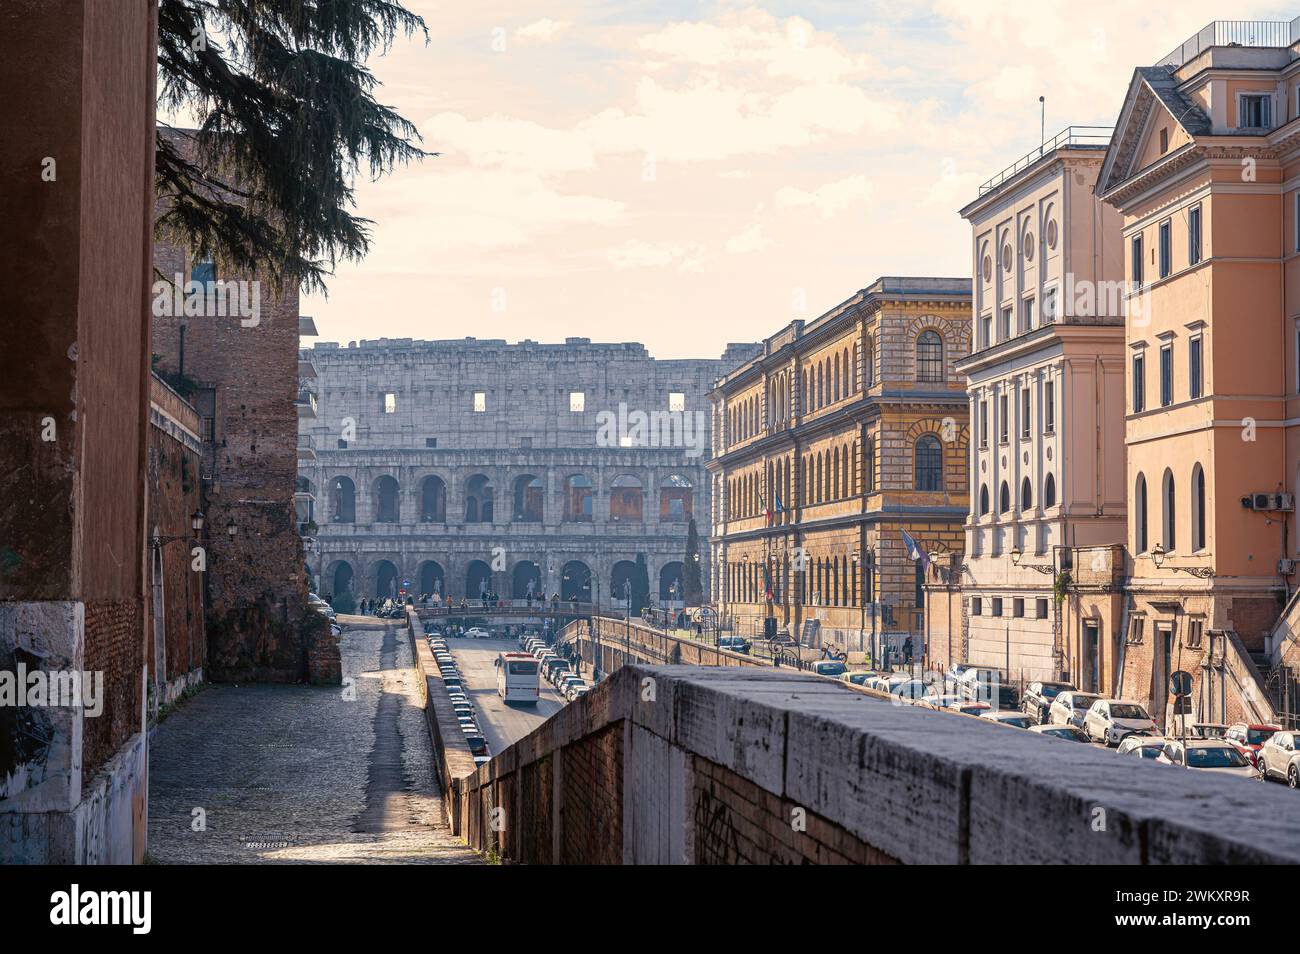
{"points": [[1194, 235], [1024, 412], [1049, 406], [1137, 260], [390, 403], [1018, 608], [986, 322], [1002, 418], [1194, 367], [203, 272], [342, 444], [1166, 250], [1139, 383], [984, 418], [997, 606], [1042, 609], [676, 401], [480, 402], [1049, 306], [577, 401], [1167, 375], [1256, 111], [1164, 140], [431, 442], [1027, 313], [976, 605], [1006, 323]]}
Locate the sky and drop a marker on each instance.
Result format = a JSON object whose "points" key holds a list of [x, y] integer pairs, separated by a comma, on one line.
{"points": [[692, 174]]}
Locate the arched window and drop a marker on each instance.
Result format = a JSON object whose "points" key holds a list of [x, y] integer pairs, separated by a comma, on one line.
{"points": [[1049, 491], [1198, 508], [1140, 515], [929, 463], [984, 499], [929, 357], [1004, 498], [1026, 495], [1170, 513]]}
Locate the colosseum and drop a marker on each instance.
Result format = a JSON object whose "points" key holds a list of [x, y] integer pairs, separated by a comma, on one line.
{"points": [[471, 466]]}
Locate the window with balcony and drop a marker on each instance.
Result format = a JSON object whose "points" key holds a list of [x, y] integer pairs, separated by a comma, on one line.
{"points": [[1049, 406], [577, 402], [676, 401], [1003, 417], [390, 403], [984, 418], [1025, 415], [480, 402]]}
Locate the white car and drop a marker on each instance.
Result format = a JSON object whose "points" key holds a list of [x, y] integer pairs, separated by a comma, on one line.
{"points": [[475, 633], [1279, 758], [1012, 717], [909, 690], [1110, 720], [1143, 746], [1208, 755], [1069, 708]]}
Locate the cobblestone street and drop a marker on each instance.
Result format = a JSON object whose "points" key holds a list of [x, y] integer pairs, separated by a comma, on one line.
{"points": [[297, 773]]}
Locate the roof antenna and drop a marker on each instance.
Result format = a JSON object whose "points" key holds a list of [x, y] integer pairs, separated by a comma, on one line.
{"points": [[1042, 123]]}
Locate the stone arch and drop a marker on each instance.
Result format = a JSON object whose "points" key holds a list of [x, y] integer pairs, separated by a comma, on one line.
{"points": [[433, 499], [385, 579], [579, 499], [670, 581], [626, 499], [575, 580], [386, 494], [478, 579], [431, 579], [622, 572], [341, 575], [676, 499], [343, 500], [478, 499], [526, 580], [528, 494]]}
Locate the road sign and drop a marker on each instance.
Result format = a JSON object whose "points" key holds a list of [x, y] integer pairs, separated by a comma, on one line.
{"points": [[1180, 682], [1182, 705]]}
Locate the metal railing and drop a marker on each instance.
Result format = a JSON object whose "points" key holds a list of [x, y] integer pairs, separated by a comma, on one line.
{"points": [[1261, 33], [1070, 136]]}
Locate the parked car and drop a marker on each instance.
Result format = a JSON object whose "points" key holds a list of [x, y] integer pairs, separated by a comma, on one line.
{"points": [[475, 632], [1109, 720], [1068, 732], [1038, 698], [1279, 757], [829, 667], [910, 690], [969, 707], [1210, 755], [857, 677], [1011, 717], [1250, 738], [737, 644], [943, 701], [1143, 746], [1069, 708]]}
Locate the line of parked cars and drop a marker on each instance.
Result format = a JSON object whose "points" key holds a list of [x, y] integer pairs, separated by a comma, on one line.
{"points": [[316, 604], [1059, 710], [555, 669], [460, 701]]}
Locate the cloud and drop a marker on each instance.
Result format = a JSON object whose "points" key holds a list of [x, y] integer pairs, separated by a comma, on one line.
{"points": [[751, 239], [544, 30], [509, 143], [830, 199], [687, 256]]}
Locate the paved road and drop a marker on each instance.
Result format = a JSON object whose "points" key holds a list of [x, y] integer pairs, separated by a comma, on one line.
{"points": [[276, 773], [502, 725]]}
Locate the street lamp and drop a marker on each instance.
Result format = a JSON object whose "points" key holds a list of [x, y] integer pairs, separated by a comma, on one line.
{"points": [[1158, 555], [1045, 568]]}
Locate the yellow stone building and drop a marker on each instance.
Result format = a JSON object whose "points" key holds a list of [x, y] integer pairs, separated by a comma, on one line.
{"points": [[844, 432]]}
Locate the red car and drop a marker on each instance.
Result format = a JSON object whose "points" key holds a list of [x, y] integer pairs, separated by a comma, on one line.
{"points": [[1249, 738]]}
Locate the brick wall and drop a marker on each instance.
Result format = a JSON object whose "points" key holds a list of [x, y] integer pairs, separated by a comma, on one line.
{"points": [[115, 647]]}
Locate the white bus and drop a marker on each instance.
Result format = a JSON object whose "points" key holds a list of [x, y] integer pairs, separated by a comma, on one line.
{"points": [[517, 678]]}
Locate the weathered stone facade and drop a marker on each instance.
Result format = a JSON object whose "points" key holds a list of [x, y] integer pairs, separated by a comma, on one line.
{"points": [[449, 466], [845, 432]]}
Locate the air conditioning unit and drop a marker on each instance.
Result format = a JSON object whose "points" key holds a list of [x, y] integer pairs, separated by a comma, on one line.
{"points": [[1285, 567], [1267, 502]]}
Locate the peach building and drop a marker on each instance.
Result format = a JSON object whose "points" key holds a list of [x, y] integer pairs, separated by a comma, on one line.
{"points": [[1204, 167], [844, 432], [1040, 585]]}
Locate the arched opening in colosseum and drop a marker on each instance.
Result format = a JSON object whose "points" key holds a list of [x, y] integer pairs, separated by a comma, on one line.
{"points": [[478, 500], [433, 500], [386, 581], [579, 499], [343, 500], [575, 581], [431, 579], [341, 577], [526, 581], [478, 579], [386, 500], [676, 499], [528, 499], [670, 583], [626, 499], [620, 581]]}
